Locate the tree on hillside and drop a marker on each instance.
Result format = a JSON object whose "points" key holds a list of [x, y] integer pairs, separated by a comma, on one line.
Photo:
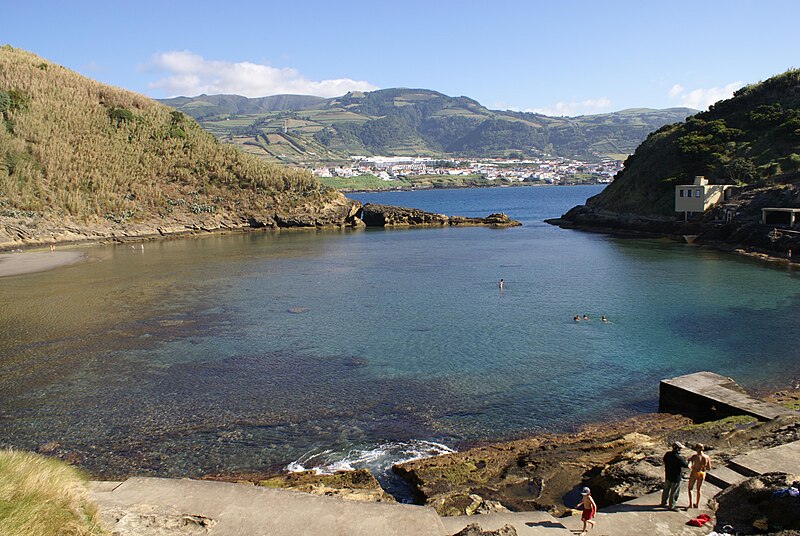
{"points": [[741, 170]]}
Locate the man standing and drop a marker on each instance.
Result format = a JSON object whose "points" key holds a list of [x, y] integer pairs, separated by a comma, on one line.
{"points": [[700, 464], [674, 464]]}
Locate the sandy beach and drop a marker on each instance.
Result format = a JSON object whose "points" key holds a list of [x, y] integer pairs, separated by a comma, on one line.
{"points": [[26, 262]]}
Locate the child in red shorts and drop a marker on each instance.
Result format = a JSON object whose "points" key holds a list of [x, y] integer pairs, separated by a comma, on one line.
{"points": [[589, 509]]}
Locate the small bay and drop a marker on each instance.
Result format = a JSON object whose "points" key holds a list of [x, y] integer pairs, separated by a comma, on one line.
{"points": [[250, 352]]}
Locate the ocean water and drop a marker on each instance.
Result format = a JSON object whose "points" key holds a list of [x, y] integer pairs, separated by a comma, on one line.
{"points": [[359, 348]]}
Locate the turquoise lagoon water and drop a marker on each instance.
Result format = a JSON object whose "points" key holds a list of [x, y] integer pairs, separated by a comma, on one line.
{"points": [[253, 352]]}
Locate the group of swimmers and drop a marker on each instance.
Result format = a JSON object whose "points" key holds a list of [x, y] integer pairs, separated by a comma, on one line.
{"points": [[578, 318]]}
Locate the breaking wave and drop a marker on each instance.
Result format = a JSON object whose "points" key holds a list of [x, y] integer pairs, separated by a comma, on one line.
{"points": [[378, 460]]}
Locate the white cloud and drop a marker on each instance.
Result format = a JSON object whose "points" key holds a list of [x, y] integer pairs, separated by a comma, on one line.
{"points": [[701, 98], [676, 90], [191, 74], [586, 107]]}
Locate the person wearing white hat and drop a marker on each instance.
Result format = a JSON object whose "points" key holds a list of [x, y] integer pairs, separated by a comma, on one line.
{"points": [[589, 509], [674, 464]]}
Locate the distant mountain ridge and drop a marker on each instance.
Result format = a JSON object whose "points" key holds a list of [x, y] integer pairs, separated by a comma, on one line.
{"points": [[402, 121]]}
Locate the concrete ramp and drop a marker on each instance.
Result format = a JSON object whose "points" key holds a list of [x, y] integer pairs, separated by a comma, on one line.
{"points": [[159, 506], [709, 396]]}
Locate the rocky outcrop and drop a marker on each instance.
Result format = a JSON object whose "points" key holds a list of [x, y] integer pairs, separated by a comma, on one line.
{"points": [[357, 485], [474, 529], [336, 212], [319, 212], [633, 473], [760, 505], [531, 474], [390, 216], [616, 460]]}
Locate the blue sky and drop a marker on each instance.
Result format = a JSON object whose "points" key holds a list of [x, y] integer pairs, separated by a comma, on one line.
{"points": [[558, 57]]}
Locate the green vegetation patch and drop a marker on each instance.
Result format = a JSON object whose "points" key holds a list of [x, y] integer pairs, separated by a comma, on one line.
{"points": [[40, 496], [736, 421]]}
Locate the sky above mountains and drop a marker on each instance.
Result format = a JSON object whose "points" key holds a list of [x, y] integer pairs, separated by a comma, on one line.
{"points": [[560, 58]]}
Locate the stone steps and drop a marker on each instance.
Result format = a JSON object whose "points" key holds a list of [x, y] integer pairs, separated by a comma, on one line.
{"points": [[723, 477], [783, 458]]}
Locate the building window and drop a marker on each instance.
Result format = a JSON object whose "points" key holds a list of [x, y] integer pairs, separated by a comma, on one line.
{"points": [[681, 191], [697, 193]]}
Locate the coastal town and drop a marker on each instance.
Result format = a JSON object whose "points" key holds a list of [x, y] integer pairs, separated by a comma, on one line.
{"points": [[541, 170]]}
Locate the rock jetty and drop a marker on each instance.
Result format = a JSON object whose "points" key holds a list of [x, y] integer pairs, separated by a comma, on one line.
{"points": [[390, 216]]}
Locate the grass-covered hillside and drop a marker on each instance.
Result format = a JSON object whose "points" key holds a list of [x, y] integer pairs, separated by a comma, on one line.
{"points": [[72, 149], [405, 122], [751, 139]]}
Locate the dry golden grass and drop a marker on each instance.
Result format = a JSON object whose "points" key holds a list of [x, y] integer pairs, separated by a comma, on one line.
{"points": [[74, 147], [43, 497]]}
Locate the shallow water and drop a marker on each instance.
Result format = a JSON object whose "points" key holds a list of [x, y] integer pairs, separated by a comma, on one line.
{"points": [[251, 352]]}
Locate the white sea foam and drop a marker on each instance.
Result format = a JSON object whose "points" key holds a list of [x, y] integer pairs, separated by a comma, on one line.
{"points": [[378, 459]]}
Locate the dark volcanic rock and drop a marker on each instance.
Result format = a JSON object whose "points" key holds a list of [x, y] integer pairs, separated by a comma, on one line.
{"points": [[752, 507], [391, 216]]}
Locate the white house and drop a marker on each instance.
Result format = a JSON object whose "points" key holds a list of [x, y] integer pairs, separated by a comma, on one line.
{"points": [[700, 196]]}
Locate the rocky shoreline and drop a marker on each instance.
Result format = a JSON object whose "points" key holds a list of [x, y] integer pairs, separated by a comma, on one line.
{"points": [[743, 233], [17, 233], [619, 460]]}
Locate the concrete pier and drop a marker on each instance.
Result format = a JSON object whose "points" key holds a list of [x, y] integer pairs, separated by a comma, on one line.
{"points": [[707, 396]]}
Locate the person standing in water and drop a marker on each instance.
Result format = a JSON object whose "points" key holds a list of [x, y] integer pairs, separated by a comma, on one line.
{"points": [[500, 285], [699, 463]]}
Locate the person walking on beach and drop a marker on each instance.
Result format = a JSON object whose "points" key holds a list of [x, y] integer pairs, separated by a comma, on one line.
{"points": [[674, 465], [589, 509], [700, 463]]}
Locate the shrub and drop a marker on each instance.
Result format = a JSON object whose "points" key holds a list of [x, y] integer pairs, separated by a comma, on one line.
{"points": [[120, 115]]}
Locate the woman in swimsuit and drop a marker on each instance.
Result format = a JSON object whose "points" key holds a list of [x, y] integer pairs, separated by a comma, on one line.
{"points": [[699, 463]]}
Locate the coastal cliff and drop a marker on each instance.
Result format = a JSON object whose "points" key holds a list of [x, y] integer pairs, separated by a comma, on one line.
{"points": [[751, 141]]}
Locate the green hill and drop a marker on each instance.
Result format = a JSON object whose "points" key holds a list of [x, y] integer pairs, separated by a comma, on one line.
{"points": [[752, 139], [412, 122], [77, 151]]}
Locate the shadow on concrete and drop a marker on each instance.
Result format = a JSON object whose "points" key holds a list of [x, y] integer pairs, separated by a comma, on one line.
{"points": [[637, 508], [546, 524]]}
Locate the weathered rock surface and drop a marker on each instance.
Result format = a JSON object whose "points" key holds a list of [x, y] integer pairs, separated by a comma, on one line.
{"points": [[752, 507], [357, 485], [474, 529], [390, 216], [531, 474], [616, 460], [155, 521], [318, 212]]}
